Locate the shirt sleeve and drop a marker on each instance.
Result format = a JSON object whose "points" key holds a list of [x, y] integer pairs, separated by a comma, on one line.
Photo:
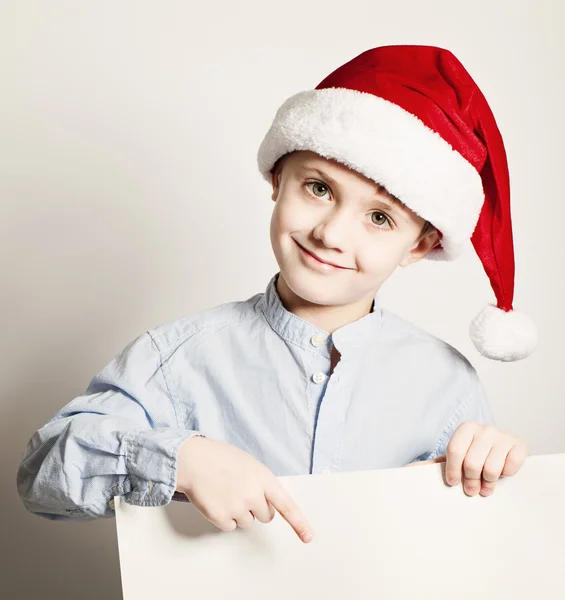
{"points": [[473, 406], [119, 439]]}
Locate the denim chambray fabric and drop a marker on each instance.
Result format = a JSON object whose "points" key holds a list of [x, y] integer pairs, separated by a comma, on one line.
{"points": [[252, 374]]}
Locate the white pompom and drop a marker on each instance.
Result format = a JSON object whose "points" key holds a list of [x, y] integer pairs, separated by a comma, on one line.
{"points": [[501, 335]]}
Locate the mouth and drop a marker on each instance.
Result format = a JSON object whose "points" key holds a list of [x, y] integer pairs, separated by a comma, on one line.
{"points": [[318, 259]]}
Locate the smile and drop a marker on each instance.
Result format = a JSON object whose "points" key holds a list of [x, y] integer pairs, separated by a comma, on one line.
{"points": [[314, 260]]}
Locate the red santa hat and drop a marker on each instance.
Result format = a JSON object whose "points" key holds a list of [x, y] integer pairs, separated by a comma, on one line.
{"points": [[412, 119]]}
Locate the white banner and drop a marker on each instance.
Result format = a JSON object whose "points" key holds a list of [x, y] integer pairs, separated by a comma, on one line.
{"points": [[387, 534]]}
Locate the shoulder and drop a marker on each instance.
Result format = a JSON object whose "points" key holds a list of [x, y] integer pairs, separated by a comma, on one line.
{"points": [[417, 344], [142, 356], [205, 323], [442, 372]]}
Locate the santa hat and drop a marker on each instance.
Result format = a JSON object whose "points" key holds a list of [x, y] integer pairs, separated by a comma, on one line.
{"points": [[413, 120]]}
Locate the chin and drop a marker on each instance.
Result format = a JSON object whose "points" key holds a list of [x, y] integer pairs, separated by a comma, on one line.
{"points": [[312, 289]]}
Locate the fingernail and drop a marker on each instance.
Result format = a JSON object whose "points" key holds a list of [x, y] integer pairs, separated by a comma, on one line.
{"points": [[306, 537], [453, 481]]}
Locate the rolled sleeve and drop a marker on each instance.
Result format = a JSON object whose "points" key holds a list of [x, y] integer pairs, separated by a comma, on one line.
{"points": [[121, 437], [152, 463]]}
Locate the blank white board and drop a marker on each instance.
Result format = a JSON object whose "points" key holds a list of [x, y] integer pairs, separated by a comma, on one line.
{"points": [[386, 534]]}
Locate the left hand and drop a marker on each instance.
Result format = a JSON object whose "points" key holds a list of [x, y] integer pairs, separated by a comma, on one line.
{"points": [[479, 455]]}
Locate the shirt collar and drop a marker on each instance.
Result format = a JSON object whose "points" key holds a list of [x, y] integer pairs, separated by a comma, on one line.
{"points": [[300, 332]]}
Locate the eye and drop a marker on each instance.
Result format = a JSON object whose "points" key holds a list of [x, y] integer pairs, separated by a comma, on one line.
{"points": [[380, 219], [317, 188]]}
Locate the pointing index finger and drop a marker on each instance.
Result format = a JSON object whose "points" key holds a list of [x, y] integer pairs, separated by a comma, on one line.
{"points": [[289, 511]]}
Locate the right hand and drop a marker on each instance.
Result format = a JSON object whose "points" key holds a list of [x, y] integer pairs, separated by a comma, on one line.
{"points": [[231, 488]]}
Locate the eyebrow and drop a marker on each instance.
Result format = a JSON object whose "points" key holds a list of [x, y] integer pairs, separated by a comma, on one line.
{"points": [[388, 203]]}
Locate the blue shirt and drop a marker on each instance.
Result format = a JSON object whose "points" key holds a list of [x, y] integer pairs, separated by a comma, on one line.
{"points": [[252, 374]]}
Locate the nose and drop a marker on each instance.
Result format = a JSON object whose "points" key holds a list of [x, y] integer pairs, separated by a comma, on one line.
{"points": [[334, 230]]}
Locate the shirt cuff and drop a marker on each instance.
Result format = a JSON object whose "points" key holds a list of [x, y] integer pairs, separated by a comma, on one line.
{"points": [[151, 462]]}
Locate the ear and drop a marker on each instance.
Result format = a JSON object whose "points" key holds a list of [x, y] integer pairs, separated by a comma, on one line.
{"points": [[276, 181], [421, 248]]}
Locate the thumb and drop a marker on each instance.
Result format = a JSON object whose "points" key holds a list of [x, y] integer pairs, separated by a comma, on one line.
{"points": [[437, 459]]}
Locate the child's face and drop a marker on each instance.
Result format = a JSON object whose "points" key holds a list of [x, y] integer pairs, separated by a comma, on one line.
{"points": [[344, 218]]}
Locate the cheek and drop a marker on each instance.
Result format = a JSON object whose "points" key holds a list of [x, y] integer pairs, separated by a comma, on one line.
{"points": [[282, 225], [289, 217], [381, 256]]}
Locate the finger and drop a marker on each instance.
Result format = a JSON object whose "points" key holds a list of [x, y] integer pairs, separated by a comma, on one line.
{"points": [[264, 513], [456, 452], [492, 469], [289, 511], [474, 462], [224, 524], [245, 519], [515, 459], [487, 488], [221, 520]]}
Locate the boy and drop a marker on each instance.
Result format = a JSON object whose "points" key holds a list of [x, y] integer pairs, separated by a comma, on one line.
{"points": [[392, 158]]}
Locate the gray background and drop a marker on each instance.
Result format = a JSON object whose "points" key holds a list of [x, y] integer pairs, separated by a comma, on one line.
{"points": [[130, 197]]}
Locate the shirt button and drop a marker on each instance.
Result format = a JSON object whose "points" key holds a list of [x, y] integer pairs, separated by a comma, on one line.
{"points": [[317, 340], [112, 504], [318, 377]]}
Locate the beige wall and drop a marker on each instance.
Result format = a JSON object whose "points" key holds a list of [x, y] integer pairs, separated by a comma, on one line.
{"points": [[130, 196]]}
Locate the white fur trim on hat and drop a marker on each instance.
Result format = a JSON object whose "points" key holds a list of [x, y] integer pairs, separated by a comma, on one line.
{"points": [[389, 145], [502, 335]]}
